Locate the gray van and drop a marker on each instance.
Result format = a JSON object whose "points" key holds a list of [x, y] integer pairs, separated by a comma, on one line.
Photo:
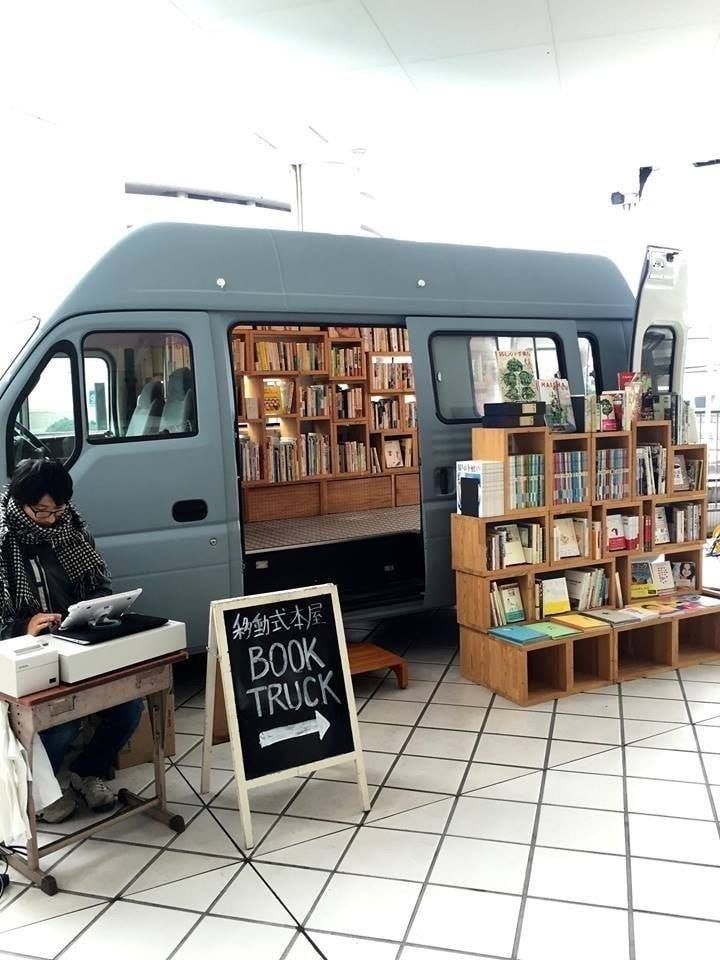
{"points": [[131, 383]]}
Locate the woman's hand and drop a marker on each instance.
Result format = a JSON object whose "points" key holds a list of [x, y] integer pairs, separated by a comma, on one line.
{"points": [[42, 621]]}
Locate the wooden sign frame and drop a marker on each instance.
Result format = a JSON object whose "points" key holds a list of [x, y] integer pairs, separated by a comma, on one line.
{"points": [[218, 654]]}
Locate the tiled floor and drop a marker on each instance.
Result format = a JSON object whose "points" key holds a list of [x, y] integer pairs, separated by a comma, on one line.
{"points": [[585, 828]]}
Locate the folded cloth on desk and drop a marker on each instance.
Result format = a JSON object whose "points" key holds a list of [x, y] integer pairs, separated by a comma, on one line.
{"points": [[15, 775]]}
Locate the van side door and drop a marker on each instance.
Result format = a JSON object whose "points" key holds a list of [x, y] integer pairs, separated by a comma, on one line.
{"points": [[141, 433], [661, 319], [455, 373]]}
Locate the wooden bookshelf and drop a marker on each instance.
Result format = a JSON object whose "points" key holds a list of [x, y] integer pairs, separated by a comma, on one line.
{"points": [[256, 352], [539, 671]]}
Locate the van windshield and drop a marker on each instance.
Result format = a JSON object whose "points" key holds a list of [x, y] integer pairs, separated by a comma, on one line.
{"points": [[14, 337]]}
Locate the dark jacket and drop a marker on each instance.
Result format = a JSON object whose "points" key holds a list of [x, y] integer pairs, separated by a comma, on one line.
{"points": [[56, 591]]}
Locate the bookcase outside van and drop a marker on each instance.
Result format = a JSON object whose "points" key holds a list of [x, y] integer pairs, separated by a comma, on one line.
{"points": [[327, 420], [545, 669]]}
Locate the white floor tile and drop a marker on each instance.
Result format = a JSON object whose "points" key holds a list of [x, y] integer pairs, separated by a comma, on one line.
{"points": [[205, 835], [609, 762], [690, 841], [132, 930], [145, 830], [451, 717], [642, 734], [183, 785], [216, 938], [481, 865], [428, 654], [705, 672], [271, 893], [565, 751], [591, 705], [46, 938], [428, 671], [486, 774], [705, 692], [321, 852], [376, 768], [427, 773], [271, 798], [587, 729], [525, 789], [502, 703], [646, 708], [709, 738], [289, 831], [455, 919], [519, 751], [337, 947], [667, 938], [450, 744], [403, 712], [431, 817], [679, 888], [650, 687], [193, 893], [712, 768], [518, 723], [327, 799], [417, 690], [453, 674], [221, 757], [425, 953], [365, 906], [172, 866], [229, 821], [101, 868], [462, 695], [595, 878], [396, 855], [705, 713], [671, 799], [570, 789], [493, 820], [554, 931], [189, 720], [663, 764], [599, 831], [385, 737]]}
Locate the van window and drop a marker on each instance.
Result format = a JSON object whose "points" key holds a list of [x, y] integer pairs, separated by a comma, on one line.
{"points": [[45, 424], [138, 386], [465, 371], [590, 367], [658, 357]]}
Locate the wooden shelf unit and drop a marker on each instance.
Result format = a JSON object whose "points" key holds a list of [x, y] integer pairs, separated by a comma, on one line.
{"points": [[317, 494], [536, 672]]}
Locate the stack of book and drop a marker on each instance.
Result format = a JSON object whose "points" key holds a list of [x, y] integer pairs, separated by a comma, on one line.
{"points": [[411, 413], [349, 403], [281, 355], [480, 488], [385, 413], [514, 414], [512, 544], [506, 604], [386, 340], [346, 362], [315, 400], [651, 469], [238, 354], [587, 588], [314, 454], [250, 458], [687, 474], [280, 458], [526, 480], [612, 474], [570, 476], [352, 456], [392, 376], [684, 522], [375, 466], [651, 579], [672, 407]]}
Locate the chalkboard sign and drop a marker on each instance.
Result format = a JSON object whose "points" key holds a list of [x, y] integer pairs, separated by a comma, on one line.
{"points": [[287, 688]]}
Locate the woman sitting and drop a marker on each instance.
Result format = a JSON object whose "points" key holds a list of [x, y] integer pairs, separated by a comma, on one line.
{"points": [[48, 561]]}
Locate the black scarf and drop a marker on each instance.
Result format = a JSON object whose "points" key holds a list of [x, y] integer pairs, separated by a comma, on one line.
{"points": [[71, 543]]}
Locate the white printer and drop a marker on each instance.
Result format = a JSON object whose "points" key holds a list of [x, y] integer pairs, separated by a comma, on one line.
{"points": [[27, 665]]}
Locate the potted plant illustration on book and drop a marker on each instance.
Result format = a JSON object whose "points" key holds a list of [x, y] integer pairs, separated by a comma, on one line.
{"points": [[516, 375]]}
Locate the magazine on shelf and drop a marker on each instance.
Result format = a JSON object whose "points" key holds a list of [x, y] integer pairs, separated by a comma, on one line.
{"points": [[516, 376], [684, 574], [559, 413]]}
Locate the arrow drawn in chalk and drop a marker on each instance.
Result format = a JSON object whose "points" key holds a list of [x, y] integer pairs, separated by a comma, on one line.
{"points": [[319, 725]]}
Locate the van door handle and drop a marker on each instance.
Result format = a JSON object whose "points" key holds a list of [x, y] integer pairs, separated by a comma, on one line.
{"points": [[187, 511]]}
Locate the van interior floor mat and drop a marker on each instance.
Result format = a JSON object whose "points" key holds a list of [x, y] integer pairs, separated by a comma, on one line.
{"points": [[264, 535]]}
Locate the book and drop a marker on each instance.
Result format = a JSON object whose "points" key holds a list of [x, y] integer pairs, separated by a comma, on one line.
{"points": [[631, 531], [684, 574], [530, 408], [608, 418], [252, 410], [662, 576], [566, 542], [532, 537], [516, 376], [393, 454], [555, 598], [554, 630], [612, 616], [614, 532], [577, 620], [641, 580], [513, 552], [662, 531], [517, 634], [526, 480], [559, 413], [480, 488], [570, 476], [512, 603], [680, 473]]}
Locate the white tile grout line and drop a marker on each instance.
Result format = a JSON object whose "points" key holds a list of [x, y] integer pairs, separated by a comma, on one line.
{"points": [[708, 787], [626, 829]]}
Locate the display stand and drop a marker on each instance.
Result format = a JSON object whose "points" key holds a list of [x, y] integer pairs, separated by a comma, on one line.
{"points": [[543, 670]]}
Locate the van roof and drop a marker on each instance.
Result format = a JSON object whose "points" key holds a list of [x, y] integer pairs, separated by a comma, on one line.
{"points": [[176, 266]]}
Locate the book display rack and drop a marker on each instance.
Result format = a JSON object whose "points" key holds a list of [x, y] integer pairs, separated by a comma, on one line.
{"points": [[327, 420], [546, 662]]}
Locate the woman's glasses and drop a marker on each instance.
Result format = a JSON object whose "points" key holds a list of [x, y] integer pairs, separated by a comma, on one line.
{"points": [[43, 513]]}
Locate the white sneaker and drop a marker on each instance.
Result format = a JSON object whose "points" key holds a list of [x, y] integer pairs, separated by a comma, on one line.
{"points": [[94, 791]]}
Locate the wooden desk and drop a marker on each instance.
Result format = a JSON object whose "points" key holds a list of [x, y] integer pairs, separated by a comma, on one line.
{"points": [[151, 679]]}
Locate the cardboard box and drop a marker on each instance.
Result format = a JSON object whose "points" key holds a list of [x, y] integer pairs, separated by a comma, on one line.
{"points": [[139, 748]]}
